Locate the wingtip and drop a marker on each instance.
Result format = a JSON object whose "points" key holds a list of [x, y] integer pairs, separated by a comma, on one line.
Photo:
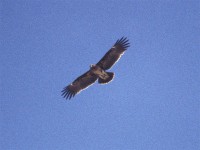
{"points": [[67, 94], [124, 42]]}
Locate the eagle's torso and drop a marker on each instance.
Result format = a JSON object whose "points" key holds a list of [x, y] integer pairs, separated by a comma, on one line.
{"points": [[98, 71]]}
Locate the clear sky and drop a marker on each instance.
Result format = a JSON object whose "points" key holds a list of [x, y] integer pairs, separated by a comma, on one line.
{"points": [[153, 101]]}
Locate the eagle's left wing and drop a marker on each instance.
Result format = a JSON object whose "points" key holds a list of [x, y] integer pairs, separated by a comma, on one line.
{"points": [[113, 55], [79, 84]]}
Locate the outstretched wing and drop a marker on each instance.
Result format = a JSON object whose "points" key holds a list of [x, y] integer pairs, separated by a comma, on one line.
{"points": [[113, 55], [79, 84]]}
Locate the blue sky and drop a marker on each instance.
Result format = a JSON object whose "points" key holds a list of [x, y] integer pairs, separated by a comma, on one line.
{"points": [[153, 101]]}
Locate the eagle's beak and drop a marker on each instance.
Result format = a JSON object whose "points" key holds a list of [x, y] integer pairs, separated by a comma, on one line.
{"points": [[91, 66]]}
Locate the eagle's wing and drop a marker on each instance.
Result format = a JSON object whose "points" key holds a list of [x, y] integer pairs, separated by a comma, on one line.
{"points": [[113, 55], [79, 84]]}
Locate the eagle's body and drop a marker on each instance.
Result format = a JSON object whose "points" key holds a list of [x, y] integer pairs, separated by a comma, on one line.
{"points": [[97, 71]]}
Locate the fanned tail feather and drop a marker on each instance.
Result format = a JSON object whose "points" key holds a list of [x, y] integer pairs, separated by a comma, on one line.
{"points": [[104, 81]]}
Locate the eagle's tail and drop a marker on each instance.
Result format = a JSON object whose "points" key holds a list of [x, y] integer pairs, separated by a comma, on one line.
{"points": [[104, 81]]}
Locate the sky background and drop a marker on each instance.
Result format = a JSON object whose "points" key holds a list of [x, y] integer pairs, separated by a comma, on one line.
{"points": [[153, 101]]}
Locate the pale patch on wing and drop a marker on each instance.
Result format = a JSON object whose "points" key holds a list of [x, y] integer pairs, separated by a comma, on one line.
{"points": [[117, 59]]}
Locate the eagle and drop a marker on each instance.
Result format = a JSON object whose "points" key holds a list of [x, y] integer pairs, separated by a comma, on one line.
{"points": [[98, 71]]}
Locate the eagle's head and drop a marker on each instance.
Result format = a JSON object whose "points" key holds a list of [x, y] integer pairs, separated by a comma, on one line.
{"points": [[92, 66]]}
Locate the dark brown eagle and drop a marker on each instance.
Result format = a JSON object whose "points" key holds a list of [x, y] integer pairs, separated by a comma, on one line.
{"points": [[97, 71]]}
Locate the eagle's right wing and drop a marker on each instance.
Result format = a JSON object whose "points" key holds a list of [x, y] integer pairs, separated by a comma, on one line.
{"points": [[79, 84], [114, 54]]}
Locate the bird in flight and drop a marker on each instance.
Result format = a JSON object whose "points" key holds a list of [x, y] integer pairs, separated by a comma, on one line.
{"points": [[97, 71]]}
